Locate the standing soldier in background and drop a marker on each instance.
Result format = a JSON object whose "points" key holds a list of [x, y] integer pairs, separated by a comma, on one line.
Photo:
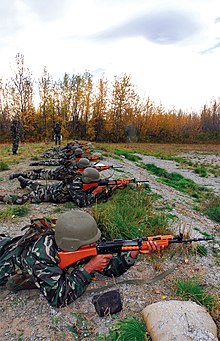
{"points": [[15, 136], [57, 134]]}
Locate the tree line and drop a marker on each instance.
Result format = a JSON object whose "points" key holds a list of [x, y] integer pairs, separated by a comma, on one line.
{"points": [[97, 111]]}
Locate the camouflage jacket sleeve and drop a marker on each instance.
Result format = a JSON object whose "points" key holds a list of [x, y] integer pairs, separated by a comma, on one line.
{"points": [[81, 198], [119, 265], [59, 287]]}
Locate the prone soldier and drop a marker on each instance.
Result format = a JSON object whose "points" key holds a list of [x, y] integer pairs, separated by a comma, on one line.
{"points": [[63, 191], [67, 159], [70, 170], [32, 260]]}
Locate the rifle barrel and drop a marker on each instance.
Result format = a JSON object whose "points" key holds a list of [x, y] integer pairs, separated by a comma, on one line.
{"points": [[185, 241]]}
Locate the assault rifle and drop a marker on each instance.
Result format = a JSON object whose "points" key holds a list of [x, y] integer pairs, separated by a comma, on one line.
{"points": [[68, 258], [104, 167], [116, 183]]}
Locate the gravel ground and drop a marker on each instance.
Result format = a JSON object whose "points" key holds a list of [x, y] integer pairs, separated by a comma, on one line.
{"points": [[27, 315]]}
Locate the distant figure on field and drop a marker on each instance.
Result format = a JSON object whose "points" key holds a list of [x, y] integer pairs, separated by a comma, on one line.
{"points": [[57, 134], [15, 136]]}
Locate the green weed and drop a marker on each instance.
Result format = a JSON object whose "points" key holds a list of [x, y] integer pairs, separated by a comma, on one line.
{"points": [[35, 158], [3, 166], [191, 289], [129, 328], [201, 250], [82, 328], [206, 234], [211, 208], [12, 211], [212, 203], [201, 171], [69, 205], [127, 154], [216, 254], [58, 209], [176, 180], [128, 214]]}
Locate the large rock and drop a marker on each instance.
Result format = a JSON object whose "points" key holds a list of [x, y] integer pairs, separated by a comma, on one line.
{"points": [[179, 321]]}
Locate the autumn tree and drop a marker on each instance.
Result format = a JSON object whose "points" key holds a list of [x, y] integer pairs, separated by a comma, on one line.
{"points": [[5, 120], [46, 105], [20, 94], [122, 107], [97, 124]]}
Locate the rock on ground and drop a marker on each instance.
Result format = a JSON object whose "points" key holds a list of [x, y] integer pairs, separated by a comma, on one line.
{"points": [[180, 321]]}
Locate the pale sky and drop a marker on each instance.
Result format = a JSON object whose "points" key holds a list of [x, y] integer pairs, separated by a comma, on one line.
{"points": [[170, 48]]}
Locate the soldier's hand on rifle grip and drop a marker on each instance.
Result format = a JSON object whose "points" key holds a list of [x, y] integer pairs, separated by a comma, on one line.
{"points": [[152, 247], [98, 263], [98, 190]]}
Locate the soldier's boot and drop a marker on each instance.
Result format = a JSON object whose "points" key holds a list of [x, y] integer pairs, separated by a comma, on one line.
{"points": [[16, 175], [20, 282], [37, 170], [23, 182]]}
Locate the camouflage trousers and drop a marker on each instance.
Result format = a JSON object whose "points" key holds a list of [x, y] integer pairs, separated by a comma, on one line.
{"points": [[55, 162], [57, 193], [15, 144], [57, 138], [60, 173], [8, 253]]}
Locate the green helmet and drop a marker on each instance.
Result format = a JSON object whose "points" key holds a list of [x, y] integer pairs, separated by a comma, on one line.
{"points": [[78, 151], [73, 148], [74, 229], [90, 175], [83, 163]]}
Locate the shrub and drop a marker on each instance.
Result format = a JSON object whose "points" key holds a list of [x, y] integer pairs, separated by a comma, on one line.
{"points": [[3, 166]]}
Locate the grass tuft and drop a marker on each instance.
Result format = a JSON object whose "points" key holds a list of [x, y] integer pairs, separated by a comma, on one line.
{"points": [[129, 328], [3, 166], [201, 171], [69, 205], [201, 250], [212, 209], [12, 211], [191, 289], [127, 154], [129, 214]]}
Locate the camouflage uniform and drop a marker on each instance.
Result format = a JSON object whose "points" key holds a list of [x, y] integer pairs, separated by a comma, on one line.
{"points": [[15, 137], [63, 161], [67, 190], [60, 173], [47, 163], [39, 259], [57, 133], [67, 151]]}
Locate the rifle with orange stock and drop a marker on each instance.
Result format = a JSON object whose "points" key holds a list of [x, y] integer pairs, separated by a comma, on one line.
{"points": [[115, 183], [104, 167], [98, 168], [68, 258], [92, 157]]}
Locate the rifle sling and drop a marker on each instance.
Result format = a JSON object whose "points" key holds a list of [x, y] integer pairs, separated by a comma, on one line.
{"points": [[135, 281]]}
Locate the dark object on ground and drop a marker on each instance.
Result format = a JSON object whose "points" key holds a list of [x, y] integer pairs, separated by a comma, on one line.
{"points": [[107, 303]]}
